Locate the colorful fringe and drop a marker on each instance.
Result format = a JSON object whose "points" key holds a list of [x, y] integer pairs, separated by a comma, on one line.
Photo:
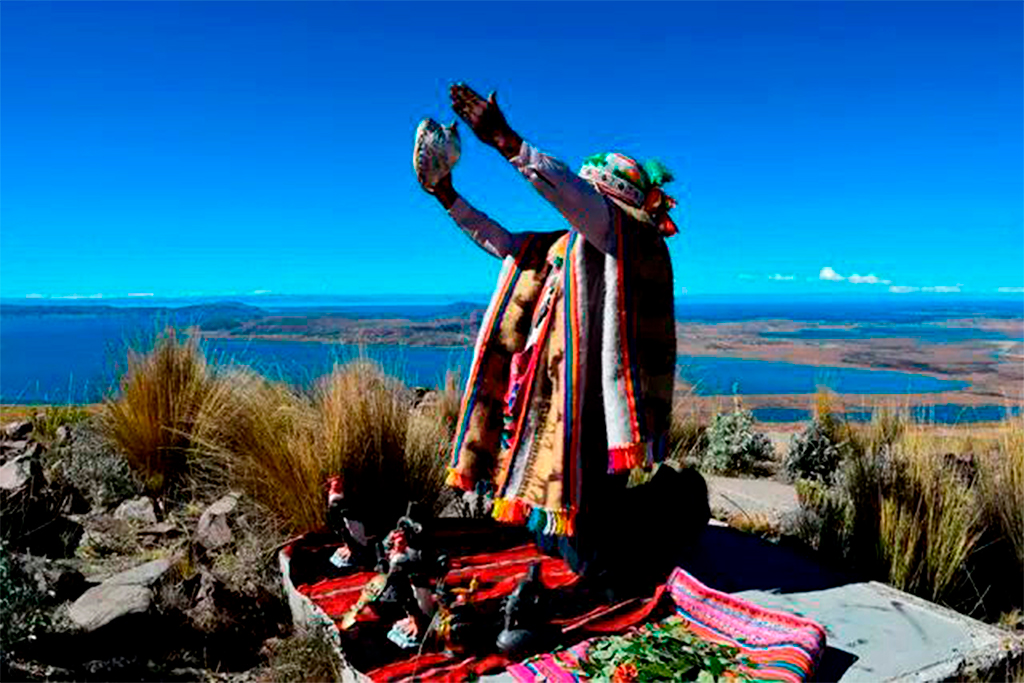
{"points": [[535, 518]]}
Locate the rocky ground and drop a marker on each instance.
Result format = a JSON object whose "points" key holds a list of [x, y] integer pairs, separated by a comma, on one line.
{"points": [[101, 582]]}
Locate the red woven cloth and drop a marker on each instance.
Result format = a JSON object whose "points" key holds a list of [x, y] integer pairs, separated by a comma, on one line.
{"points": [[497, 574]]}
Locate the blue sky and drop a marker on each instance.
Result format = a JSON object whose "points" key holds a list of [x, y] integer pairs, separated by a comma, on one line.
{"points": [[200, 147]]}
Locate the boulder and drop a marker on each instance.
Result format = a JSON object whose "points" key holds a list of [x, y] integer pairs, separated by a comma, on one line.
{"points": [[129, 592], [144, 575], [139, 510], [18, 472], [103, 604], [213, 531], [17, 430], [12, 448]]}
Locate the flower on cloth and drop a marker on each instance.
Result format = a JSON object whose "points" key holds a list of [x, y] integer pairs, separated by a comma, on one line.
{"points": [[625, 673]]}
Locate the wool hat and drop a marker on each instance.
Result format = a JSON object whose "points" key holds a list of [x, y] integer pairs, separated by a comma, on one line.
{"points": [[634, 187]]}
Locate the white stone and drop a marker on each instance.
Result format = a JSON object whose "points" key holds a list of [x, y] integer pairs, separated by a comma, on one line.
{"points": [[136, 510]]}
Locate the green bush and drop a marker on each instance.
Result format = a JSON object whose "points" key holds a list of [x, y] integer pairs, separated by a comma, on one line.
{"points": [[813, 455], [733, 447]]}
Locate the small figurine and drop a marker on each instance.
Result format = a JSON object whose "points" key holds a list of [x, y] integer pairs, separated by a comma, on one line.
{"points": [[522, 613], [354, 550], [404, 556]]}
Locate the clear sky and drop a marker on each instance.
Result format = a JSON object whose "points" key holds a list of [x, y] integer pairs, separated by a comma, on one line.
{"points": [[201, 147]]}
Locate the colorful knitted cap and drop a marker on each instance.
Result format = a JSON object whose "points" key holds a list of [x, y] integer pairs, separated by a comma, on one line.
{"points": [[623, 179]]}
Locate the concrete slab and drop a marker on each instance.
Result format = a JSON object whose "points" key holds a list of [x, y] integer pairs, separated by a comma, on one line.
{"points": [[877, 633], [730, 495]]}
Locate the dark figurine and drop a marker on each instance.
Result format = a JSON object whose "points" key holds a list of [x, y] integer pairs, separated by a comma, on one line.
{"points": [[355, 550], [522, 614], [410, 567]]}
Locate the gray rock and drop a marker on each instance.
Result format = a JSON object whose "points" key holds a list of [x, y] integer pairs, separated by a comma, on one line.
{"points": [[63, 436], [126, 593], [17, 430], [18, 472], [213, 530], [13, 447], [161, 529], [144, 575], [136, 510], [103, 604]]}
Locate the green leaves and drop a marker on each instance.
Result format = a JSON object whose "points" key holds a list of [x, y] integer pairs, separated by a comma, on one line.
{"points": [[662, 652]]}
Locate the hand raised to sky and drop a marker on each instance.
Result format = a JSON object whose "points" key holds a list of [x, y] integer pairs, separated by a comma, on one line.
{"points": [[485, 119]]}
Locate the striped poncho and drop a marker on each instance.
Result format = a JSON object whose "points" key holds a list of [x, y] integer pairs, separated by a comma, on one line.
{"points": [[572, 374]]}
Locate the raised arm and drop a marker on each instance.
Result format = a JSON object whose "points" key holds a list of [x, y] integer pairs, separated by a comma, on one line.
{"points": [[583, 206], [477, 225]]}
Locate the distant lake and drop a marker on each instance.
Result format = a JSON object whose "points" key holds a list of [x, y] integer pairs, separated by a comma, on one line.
{"points": [[931, 333], [942, 413], [58, 358], [712, 376]]}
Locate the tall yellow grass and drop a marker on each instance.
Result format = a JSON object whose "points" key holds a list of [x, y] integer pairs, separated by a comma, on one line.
{"points": [[930, 510], [232, 427], [152, 418]]}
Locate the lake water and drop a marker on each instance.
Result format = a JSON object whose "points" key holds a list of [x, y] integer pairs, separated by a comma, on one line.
{"points": [[942, 413], [56, 358], [75, 358], [930, 333]]}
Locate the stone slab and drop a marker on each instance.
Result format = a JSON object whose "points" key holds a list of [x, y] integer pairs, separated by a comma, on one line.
{"points": [[877, 633]]}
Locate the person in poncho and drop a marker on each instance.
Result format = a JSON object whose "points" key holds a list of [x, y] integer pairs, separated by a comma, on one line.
{"points": [[571, 382]]}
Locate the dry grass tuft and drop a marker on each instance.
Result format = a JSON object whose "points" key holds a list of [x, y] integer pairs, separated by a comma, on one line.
{"points": [[938, 514], [233, 428], [365, 423], [152, 418]]}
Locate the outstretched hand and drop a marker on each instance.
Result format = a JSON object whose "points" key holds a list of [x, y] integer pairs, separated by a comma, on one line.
{"points": [[484, 117]]}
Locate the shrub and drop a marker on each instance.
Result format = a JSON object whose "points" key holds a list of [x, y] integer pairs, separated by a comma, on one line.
{"points": [[22, 610], [899, 513], [306, 657], [95, 468], [813, 455], [733, 445], [152, 418]]}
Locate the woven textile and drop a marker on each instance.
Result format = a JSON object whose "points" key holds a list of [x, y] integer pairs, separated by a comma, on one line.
{"points": [[781, 646], [568, 324]]}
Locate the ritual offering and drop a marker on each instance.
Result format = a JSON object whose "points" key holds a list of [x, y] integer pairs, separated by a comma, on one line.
{"points": [[435, 152]]}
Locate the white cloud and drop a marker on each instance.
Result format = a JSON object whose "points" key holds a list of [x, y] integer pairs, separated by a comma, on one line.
{"points": [[746, 276], [141, 294], [261, 291], [938, 289], [781, 278], [34, 296], [1011, 290], [828, 274], [868, 280], [80, 296]]}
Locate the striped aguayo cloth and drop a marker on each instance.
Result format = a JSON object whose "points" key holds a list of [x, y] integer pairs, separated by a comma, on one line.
{"points": [[781, 646]]}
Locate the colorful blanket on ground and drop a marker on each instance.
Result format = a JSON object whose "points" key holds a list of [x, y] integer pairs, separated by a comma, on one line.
{"points": [[784, 647], [564, 312], [781, 646], [497, 574]]}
